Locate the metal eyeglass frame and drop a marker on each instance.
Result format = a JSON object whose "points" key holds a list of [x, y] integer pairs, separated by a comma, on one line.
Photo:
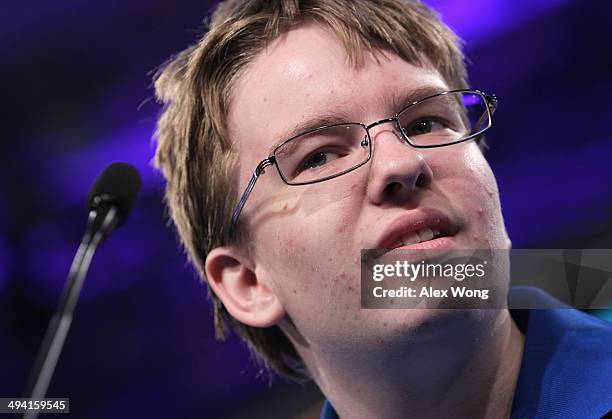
{"points": [[490, 99]]}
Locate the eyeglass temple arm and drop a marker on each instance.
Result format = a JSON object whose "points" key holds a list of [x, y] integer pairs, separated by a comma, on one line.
{"points": [[491, 102], [258, 171]]}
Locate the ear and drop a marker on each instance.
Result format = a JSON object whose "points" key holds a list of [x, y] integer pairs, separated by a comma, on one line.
{"points": [[231, 275]]}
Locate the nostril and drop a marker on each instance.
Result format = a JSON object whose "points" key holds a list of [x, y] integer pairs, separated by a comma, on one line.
{"points": [[400, 189], [422, 181], [393, 189]]}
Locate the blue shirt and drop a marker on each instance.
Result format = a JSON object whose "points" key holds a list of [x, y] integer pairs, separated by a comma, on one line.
{"points": [[566, 370]]}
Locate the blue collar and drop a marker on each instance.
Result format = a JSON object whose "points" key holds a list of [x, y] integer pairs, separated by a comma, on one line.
{"points": [[566, 370]]}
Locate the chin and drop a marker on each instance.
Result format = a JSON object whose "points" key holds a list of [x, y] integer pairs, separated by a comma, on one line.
{"points": [[431, 325]]}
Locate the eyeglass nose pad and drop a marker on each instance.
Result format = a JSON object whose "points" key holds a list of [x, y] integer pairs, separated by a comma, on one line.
{"points": [[365, 142], [400, 132]]}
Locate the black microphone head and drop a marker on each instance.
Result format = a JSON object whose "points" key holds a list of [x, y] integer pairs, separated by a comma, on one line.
{"points": [[118, 185]]}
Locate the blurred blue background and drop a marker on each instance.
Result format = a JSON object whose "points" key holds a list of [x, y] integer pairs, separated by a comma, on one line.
{"points": [[76, 82]]}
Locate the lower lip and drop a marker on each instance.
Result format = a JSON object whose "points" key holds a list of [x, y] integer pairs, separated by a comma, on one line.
{"points": [[441, 243], [432, 248], [429, 249]]}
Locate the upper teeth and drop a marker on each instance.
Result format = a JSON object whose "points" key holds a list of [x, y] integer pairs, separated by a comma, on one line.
{"points": [[419, 236]]}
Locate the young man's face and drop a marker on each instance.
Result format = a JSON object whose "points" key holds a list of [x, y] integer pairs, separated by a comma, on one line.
{"points": [[307, 239]]}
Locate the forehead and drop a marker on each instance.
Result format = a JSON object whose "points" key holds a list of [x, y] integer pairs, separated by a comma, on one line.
{"points": [[305, 74]]}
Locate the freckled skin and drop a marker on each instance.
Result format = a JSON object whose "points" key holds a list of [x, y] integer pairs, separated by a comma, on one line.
{"points": [[311, 236]]}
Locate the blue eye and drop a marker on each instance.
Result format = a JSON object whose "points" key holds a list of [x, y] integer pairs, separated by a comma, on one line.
{"points": [[316, 160], [319, 160], [423, 126]]}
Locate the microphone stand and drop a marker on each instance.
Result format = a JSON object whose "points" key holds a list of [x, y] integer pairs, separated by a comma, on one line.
{"points": [[102, 220]]}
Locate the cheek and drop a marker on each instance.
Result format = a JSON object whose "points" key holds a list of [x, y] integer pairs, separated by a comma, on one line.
{"points": [[470, 186], [481, 177], [305, 235], [312, 268], [467, 172], [300, 247], [333, 203], [310, 211], [486, 217]]}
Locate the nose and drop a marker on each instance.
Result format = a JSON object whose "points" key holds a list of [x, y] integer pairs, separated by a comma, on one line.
{"points": [[398, 171]]}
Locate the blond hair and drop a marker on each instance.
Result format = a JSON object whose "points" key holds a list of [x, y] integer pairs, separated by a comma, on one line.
{"points": [[194, 151]]}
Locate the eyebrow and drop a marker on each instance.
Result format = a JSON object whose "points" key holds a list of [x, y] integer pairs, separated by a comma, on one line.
{"points": [[310, 124], [403, 99], [399, 100]]}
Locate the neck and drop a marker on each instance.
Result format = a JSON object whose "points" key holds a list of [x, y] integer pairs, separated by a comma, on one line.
{"points": [[467, 373]]}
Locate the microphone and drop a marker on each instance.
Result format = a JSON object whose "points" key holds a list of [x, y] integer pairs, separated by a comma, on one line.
{"points": [[112, 198], [110, 201]]}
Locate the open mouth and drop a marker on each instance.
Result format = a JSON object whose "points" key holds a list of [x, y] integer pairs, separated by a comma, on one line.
{"points": [[424, 229]]}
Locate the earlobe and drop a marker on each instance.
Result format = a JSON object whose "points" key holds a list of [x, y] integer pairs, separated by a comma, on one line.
{"points": [[232, 277]]}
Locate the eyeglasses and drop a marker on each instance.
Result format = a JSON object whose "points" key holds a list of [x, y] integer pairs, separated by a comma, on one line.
{"points": [[333, 150]]}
